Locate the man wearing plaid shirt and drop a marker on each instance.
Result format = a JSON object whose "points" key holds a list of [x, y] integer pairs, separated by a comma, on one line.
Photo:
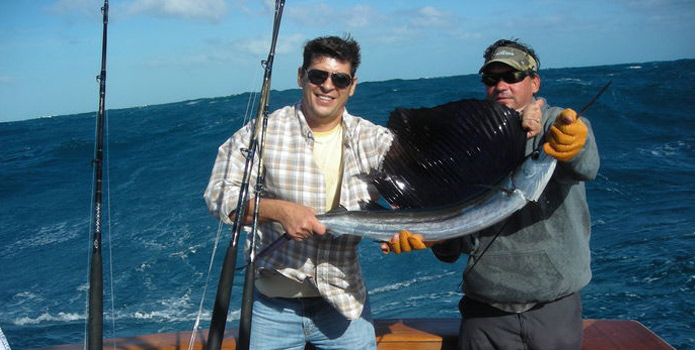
{"points": [[317, 157]]}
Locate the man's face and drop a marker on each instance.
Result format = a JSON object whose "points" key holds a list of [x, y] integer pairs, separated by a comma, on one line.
{"points": [[513, 95], [323, 103]]}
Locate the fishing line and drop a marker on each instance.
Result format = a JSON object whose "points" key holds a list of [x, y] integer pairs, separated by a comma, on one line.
{"points": [[196, 325], [107, 174], [89, 247], [535, 154], [270, 247], [253, 97], [486, 248], [222, 299], [537, 147], [220, 226]]}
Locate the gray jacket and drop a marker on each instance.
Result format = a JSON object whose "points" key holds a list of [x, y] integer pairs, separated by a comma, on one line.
{"points": [[542, 251]]}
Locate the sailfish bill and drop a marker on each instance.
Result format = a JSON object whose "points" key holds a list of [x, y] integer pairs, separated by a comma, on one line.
{"points": [[451, 170]]}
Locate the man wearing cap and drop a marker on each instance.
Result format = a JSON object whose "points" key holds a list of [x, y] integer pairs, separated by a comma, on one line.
{"points": [[522, 281]]}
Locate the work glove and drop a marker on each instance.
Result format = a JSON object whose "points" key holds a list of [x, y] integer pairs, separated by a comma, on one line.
{"points": [[567, 136], [405, 242]]}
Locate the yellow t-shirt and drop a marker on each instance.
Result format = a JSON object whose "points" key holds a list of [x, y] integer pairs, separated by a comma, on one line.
{"points": [[328, 155]]}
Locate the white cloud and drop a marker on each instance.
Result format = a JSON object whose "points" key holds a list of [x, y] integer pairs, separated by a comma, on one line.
{"points": [[384, 27], [254, 46], [291, 43], [259, 47], [311, 16], [191, 9], [361, 16], [418, 24], [6, 79], [429, 16], [329, 16], [242, 51], [87, 8], [269, 5]]}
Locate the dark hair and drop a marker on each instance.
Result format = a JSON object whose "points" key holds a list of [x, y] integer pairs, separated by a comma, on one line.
{"points": [[511, 43], [344, 49]]}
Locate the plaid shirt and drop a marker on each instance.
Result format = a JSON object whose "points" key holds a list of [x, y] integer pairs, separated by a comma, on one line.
{"points": [[292, 175]]}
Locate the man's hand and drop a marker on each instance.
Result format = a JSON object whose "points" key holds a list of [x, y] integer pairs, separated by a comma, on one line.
{"points": [[567, 136], [531, 118], [405, 241], [299, 221]]}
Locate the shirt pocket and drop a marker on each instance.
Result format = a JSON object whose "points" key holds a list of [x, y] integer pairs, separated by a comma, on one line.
{"points": [[515, 277]]}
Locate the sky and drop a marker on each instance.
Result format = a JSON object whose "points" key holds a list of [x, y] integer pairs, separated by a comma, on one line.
{"points": [[163, 51]]}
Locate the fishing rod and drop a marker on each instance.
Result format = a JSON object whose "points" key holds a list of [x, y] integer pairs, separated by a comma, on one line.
{"points": [[96, 316], [249, 277], [224, 287]]}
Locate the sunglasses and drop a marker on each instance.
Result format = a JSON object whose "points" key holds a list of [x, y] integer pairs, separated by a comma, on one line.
{"points": [[340, 80], [509, 77]]}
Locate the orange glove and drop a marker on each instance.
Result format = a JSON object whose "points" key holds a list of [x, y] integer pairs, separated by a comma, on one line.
{"points": [[405, 242], [567, 136]]}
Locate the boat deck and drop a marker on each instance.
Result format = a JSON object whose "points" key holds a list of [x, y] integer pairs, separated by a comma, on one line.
{"points": [[413, 334]]}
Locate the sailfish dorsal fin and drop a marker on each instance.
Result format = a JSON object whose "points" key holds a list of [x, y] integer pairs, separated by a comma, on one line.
{"points": [[449, 153]]}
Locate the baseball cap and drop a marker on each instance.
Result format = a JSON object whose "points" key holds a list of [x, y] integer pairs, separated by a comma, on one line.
{"points": [[512, 57]]}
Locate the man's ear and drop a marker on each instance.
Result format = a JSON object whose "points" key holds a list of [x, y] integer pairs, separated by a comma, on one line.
{"points": [[536, 84], [353, 86], [300, 77]]}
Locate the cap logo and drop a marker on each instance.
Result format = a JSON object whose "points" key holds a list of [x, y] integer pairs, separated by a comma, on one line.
{"points": [[504, 53]]}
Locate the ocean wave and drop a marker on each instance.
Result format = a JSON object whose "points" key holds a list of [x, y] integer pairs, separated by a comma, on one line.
{"points": [[666, 149], [23, 300], [673, 154], [574, 80], [47, 317], [160, 316], [50, 234], [407, 283]]}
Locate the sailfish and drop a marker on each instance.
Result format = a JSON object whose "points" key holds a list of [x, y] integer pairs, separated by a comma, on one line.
{"points": [[451, 170]]}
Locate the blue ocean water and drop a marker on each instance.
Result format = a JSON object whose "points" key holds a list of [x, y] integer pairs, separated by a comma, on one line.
{"points": [[160, 236]]}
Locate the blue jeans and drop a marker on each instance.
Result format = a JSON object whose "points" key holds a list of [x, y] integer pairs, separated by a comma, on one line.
{"points": [[291, 323]]}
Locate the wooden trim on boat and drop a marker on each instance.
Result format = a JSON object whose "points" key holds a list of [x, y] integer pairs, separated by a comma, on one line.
{"points": [[412, 334]]}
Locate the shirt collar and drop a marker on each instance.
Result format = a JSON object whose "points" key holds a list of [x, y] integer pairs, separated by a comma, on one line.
{"points": [[348, 122]]}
